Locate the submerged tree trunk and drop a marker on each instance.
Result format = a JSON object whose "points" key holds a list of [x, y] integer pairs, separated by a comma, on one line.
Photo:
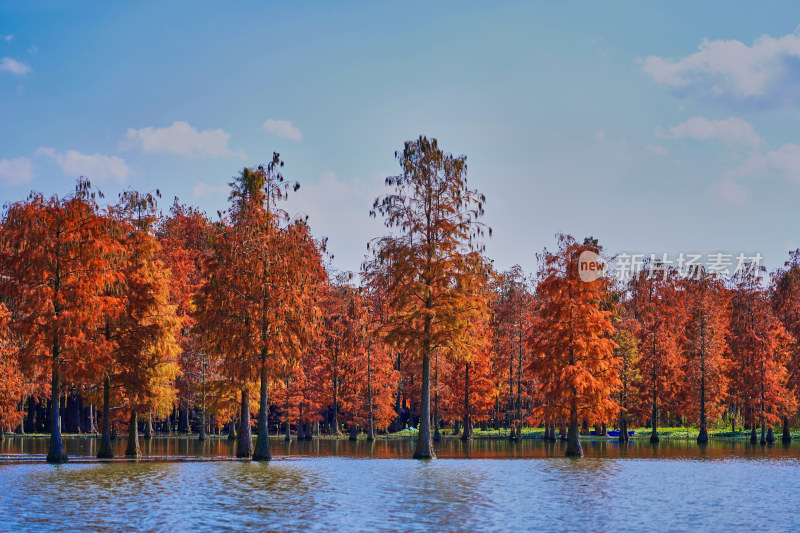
{"points": [[753, 438], [573, 442], [148, 428], [133, 436], [244, 448], [106, 451], [770, 436], [786, 438], [202, 434], [56, 453], [232, 428], [437, 436], [262, 441], [467, 435], [654, 433], [702, 437], [424, 448], [371, 421], [623, 428]]}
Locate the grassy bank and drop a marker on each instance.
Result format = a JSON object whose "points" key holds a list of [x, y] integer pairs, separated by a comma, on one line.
{"points": [[670, 433]]}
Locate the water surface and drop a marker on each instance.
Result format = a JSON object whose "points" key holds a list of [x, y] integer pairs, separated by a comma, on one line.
{"points": [[349, 486]]}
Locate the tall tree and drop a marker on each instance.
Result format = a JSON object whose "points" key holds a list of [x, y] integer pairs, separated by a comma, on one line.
{"points": [[435, 216], [572, 351], [54, 259], [511, 323], [705, 363], [759, 347], [259, 283], [184, 241], [656, 303], [785, 296], [146, 347]]}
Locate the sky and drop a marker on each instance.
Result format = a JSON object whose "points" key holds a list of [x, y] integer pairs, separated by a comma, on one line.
{"points": [[655, 127]]}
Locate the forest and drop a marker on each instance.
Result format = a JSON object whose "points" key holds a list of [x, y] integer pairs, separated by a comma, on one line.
{"points": [[124, 318]]}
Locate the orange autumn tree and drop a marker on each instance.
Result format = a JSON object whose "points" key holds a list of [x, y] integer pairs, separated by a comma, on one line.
{"points": [[656, 303], [341, 344], [759, 353], [705, 347], [144, 333], [471, 358], [183, 236], [12, 382], [511, 322], [573, 355], [785, 297], [257, 305], [377, 362], [436, 218], [54, 260]]}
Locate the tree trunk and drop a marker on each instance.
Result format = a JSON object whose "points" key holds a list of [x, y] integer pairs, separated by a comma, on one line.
{"points": [[371, 421], [148, 429], [262, 441], [573, 442], [56, 453], [623, 428], [424, 441], [467, 435], [106, 452], [437, 436], [786, 438], [654, 433], [232, 428], [753, 437], [92, 419], [244, 448], [201, 435], [133, 436], [763, 433], [336, 406], [183, 424], [770, 436]]}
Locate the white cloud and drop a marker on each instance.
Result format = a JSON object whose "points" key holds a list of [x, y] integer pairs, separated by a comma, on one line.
{"points": [[179, 138], [656, 149], [282, 128], [784, 161], [730, 192], [93, 166], [13, 66], [732, 70], [6, 38], [16, 171], [730, 130], [203, 189]]}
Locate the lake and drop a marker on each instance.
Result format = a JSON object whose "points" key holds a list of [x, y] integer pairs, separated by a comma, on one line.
{"points": [[322, 485]]}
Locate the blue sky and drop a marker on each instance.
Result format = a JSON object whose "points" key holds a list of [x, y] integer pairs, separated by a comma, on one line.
{"points": [[655, 127]]}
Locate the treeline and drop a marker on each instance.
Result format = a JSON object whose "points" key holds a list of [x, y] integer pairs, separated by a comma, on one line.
{"points": [[122, 318]]}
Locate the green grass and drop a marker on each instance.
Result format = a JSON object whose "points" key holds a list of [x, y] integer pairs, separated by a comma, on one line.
{"points": [[642, 433]]}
